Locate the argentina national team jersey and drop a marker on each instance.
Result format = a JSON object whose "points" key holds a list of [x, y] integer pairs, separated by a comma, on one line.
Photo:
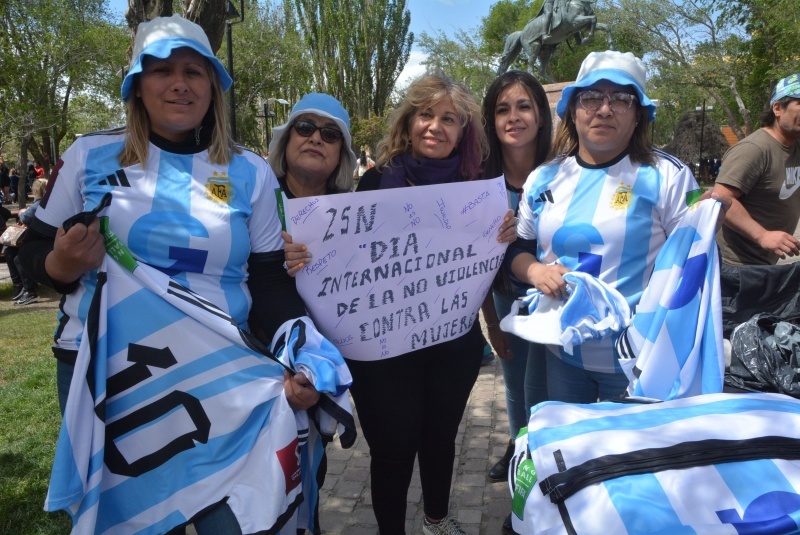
{"points": [[168, 213], [608, 221]]}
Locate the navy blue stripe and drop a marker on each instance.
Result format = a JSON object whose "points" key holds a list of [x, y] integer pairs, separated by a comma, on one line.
{"points": [[669, 157]]}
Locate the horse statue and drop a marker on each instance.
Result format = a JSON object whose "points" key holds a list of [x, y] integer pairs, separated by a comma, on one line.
{"points": [[570, 17]]}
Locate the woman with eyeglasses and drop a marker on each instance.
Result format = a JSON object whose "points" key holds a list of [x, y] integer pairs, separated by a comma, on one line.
{"points": [[604, 204]]}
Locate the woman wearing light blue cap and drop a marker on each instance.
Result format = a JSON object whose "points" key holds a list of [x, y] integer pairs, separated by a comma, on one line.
{"points": [[311, 154], [184, 199], [604, 204]]}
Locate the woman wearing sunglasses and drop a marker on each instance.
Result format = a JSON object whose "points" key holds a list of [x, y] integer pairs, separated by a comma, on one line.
{"points": [[311, 153], [311, 156], [604, 204]]}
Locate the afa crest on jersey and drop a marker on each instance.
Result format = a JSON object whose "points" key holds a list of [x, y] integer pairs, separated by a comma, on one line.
{"points": [[622, 198], [219, 188]]}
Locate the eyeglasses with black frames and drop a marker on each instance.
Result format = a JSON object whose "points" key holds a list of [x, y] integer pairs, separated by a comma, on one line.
{"points": [[619, 102], [327, 133]]}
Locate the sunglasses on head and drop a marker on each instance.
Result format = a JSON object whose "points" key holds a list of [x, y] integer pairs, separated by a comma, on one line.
{"points": [[327, 133]]}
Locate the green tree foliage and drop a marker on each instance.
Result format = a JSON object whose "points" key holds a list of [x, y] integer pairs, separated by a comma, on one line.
{"points": [[504, 17], [766, 47], [209, 14], [707, 44], [358, 49], [774, 30], [472, 56], [270, 61], [462, 59], [368, 132], [52, 51]]}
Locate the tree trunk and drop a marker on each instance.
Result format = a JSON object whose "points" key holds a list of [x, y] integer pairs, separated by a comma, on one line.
{"points": [[748, 121], [22, 190], [731, 116], [209, 14]]}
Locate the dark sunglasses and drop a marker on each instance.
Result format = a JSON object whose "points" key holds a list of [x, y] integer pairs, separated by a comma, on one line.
{"points": [[327, 133]]}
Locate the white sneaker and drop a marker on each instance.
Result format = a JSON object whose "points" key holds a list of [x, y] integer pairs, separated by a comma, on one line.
{"points": [[448, 526]]}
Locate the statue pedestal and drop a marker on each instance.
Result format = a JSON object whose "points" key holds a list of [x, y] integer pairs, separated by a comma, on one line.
{"points": [[553, 95]]}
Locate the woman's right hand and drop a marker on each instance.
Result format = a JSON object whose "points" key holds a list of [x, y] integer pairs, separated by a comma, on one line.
{"points": [[296, 254], [549, 279], [75, 252], [499, 342]]}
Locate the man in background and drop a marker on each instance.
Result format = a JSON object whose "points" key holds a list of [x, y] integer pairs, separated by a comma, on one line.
{"points": [[762, 175]]}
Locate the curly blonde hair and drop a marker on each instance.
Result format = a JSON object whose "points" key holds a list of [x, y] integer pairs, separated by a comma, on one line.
{"points": [[426, 93]]}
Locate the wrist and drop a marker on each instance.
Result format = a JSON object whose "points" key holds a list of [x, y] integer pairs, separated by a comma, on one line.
{"points": [[53, 269], [533, 272]]}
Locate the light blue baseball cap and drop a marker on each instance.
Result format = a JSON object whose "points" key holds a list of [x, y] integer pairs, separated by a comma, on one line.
{"points": [[786, 87], [621, 68], [160, 37]]}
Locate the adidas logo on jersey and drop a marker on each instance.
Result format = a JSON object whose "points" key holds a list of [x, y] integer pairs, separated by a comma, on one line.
{"points": [[118, 178], [546, 196]]}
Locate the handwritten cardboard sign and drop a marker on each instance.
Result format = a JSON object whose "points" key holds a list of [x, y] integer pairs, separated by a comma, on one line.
{"points": [[400, 269]]}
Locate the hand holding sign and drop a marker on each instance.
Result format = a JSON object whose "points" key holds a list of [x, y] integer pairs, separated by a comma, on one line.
{"points": [[390, 274]]}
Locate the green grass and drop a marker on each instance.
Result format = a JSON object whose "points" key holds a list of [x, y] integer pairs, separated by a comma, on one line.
{"points": [[29, 417]]}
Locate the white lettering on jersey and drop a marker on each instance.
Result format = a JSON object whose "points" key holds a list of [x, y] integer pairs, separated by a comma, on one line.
{"points": [[792, 181]]}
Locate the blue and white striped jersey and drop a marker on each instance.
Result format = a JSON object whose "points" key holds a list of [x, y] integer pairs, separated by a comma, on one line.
{"points": [[193, 220], [609, 221]]}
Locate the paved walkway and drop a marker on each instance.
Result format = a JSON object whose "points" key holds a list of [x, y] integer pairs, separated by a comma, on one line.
{"points": [[480, 506]]}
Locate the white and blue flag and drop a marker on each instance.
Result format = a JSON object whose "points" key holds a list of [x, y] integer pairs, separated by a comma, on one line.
{"points": [[673, 348], [716, 463], [299, 346], [593, 310], [172, 409]]}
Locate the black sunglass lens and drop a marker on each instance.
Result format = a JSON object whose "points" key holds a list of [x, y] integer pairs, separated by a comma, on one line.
{"points": [[304, 129], [330, 135]]}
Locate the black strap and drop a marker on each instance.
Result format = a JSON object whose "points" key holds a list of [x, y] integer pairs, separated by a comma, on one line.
{"points": [[562, 507], [562, 485]]}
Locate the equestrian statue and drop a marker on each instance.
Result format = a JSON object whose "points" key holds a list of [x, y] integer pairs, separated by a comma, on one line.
{"points": [[557, 21]]}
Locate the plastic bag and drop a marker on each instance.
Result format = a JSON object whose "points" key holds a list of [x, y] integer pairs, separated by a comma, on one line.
{"points": [[766, 356]]}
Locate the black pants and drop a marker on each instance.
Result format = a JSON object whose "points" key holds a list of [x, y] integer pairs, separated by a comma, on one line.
{"points": [[18, 275], [412, 405]]}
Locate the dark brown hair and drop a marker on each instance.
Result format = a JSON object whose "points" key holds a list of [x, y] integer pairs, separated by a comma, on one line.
{"points": [[544, 138]]}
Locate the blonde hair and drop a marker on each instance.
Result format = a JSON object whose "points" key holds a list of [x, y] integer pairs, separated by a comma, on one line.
{"points": [[137, 130], [426, 93], [38, 187]]}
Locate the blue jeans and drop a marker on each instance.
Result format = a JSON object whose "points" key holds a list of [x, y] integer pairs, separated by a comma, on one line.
{"points": [[571, 384], [218, 521], [525, 374]]}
